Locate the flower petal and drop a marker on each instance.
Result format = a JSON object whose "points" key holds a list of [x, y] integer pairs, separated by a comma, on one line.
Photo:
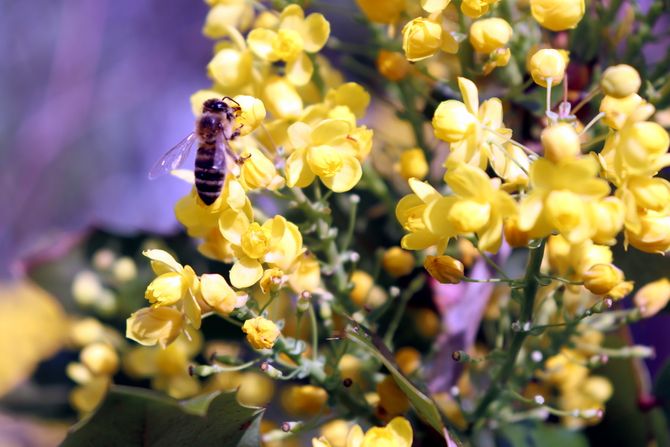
{"points": [[470, 95], [329, 131], [423, 190], [300, 71], [402, 430], [315, 33], [245, 273], [260, 41], [232, 225], [431, 6], [162, 262], [297, 171], [347, 177]]}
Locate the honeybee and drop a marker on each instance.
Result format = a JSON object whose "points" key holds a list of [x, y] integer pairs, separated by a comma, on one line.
{"points": [[214, 128]]}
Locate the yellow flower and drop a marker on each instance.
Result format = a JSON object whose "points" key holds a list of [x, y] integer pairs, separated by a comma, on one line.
{"points": [[252, 114], [422, 38], [151, 325], [560, 198], [391, 398], [335, 432], [548, 64], [487, 35], [323, 151], [408, 359], [413, 164], [557, 15], [620, 81], [607, 216], [398, 262], [258, 171], [398, 433], [641, 148], [560, 142], [219, 295], [392, 65], [295, 36], [276, 242], [498, 58], [230, 68], [175, 285], [444, 269], [514, 236], [305, 274], [652, 234], [476, 8], [226, 15], [304, 400], [477, 206], [261, 332], [452, 121], [382, 11], [86, 397], [100, 358], [410, 213], [363, 283], [618, 110], [281, 98], [601, 278], [653, 297]]}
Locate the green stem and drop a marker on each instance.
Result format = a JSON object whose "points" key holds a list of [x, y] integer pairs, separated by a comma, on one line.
{"points": [[315, 333], [411, 115], [416, 285], [505, 372]]}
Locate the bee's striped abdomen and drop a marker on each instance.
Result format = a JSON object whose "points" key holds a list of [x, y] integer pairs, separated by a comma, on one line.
{"points": [[209, 177]]}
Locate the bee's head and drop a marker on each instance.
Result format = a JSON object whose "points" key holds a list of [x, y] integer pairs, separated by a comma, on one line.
{"points": [[215, 105]]}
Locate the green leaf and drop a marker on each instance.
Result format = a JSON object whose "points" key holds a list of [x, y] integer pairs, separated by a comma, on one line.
{"points": [[532, 434], [423, 405], [137, 417]]}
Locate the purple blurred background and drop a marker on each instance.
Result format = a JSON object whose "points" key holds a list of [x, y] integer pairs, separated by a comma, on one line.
{"points": [[92, 93]]}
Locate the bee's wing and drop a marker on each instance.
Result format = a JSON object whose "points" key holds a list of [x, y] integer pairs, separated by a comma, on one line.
{"points": [[174, 157]]}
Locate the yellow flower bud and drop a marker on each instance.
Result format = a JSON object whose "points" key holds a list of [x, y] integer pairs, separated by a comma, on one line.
{"points": [[617, 110], [560, 142], [363, 283], [650, 193], [252, 114], [272, 280], [476, 8], [258, 171], [303, 400], [398, 262], [653, 235], [427, 323], [653, 297], [608, 218], [514, 236], [642, 144], [391, 398], [166, 289], [100, 358], [152, 325], [452, 121], [255, 389], [261, 332], [382, 11], [620, 81], [413, 164], [487, 35], [621, 290], [219, 295], [557, 15], [548, 64], [421, 38], [392, 65], [444, 269], [124, 269], [408, 359], [230, 68], [601, 278]]}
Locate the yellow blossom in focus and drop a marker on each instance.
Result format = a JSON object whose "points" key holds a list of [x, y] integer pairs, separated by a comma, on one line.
{"points": [[413, 164], [601, 278], [653, 297], [296, 35], [219, 295], [477, 206], [548, 64], [444, 269], [618, 110], [560, 199], [487, 35], [151, 325], [258, 171], [392, 65], [382, 11], [410, 211], [557, 15], [422, 38], [620, 81], [252, 114], [304, 400], [498, 58], [281, 98], [261, 332], [324, 151]]}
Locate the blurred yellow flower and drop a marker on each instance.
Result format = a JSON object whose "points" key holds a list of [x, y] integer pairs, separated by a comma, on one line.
{"points": [[261, 332], [397, 433], [653, 297], [398, 262], [382, 11], [391, 398], [601, 278], [487, 35], [413, 164], [557, 15], [304, 400], [392, 65]]}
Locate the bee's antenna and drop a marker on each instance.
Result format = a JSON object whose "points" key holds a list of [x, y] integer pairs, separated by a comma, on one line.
{"points": [[231, 99]]}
